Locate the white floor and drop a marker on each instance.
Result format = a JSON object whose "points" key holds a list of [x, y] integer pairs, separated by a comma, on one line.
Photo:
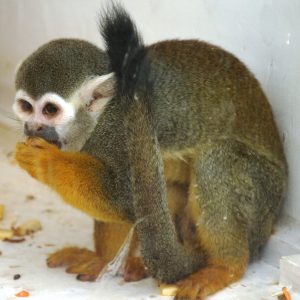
{"points": [[63, 225]]}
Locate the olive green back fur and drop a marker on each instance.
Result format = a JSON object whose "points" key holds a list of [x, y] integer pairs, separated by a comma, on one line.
{"points": [[202, 92]]}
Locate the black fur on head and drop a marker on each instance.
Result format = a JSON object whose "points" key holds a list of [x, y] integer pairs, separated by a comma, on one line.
{"points": [[125, 49]]}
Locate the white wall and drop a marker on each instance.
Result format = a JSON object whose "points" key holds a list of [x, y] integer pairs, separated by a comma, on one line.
{"points": [[265, 34]]}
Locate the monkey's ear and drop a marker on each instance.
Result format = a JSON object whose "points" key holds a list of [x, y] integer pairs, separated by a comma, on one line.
{"points": [[97, 91]]}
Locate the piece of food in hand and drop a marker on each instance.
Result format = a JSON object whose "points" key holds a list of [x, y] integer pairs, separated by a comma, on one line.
{"points": [[28, 227], [6, 234]]}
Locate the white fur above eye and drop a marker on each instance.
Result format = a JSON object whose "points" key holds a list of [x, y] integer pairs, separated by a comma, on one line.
{"points": [[65, 114]]}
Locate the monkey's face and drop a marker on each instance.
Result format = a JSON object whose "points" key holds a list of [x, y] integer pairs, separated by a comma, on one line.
{"points": [[67, 123], [61, 92], [43, 117]]}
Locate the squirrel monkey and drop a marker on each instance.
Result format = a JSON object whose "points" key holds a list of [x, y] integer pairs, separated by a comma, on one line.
{"points": [[177, 138]]}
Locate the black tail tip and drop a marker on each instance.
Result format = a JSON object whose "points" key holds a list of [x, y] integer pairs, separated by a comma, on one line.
{"points": [[119, 33], [124, 45]]}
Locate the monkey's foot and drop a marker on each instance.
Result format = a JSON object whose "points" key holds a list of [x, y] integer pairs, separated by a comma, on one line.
{"points": [[87, 264], [205, 282], [134, 269]]}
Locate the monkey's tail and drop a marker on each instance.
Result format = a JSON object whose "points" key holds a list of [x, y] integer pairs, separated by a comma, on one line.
{"points": [[125, 49], [165, 257]]}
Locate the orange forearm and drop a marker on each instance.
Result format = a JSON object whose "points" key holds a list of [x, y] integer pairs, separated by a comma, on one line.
{"points": [[77, 177]]}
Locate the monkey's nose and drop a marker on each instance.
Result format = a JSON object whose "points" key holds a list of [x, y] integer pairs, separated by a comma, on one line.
{"points": [[33, 129]]}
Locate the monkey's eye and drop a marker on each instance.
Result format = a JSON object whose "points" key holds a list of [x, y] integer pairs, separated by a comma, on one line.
{"points": [[50, 109], [25, 106]]}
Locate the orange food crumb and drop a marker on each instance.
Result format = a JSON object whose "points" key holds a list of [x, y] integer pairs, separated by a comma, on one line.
{"points": [[23, 294], [286, 294]]}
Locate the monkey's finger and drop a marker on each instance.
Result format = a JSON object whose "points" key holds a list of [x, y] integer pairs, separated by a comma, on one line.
{"points": [[26, 159], [40, 143], [23, 155], [25, 163], [20, 146], [23, 148], [26, 151], [35, 142]]}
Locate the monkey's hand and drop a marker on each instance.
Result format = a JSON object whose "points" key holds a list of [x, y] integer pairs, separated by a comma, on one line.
{"points": [[76, 176], [35, 156]]}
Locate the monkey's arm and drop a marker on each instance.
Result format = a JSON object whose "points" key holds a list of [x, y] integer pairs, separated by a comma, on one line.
{"points": [[77, 177]]}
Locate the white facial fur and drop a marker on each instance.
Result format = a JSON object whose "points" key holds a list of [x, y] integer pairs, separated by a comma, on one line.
{"points": [[66, 110], [85, 105]]}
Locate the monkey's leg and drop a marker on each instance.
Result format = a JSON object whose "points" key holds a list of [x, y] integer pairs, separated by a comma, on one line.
{"points": [[134, 268], [108, 239], [77, 177], [234, 193]]}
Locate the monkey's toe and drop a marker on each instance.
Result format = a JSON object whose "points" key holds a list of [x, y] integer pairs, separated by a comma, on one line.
{"points": [[134, 269], [87, 270], [68, 256], [87, 264], [86, 277], [189, 290]]}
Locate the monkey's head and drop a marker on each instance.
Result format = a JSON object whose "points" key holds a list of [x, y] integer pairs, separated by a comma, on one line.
{"points": [[61, 90]]}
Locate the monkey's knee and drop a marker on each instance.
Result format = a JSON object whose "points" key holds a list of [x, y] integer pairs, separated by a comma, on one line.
{"points": [[239, 184], [239, 194]]}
